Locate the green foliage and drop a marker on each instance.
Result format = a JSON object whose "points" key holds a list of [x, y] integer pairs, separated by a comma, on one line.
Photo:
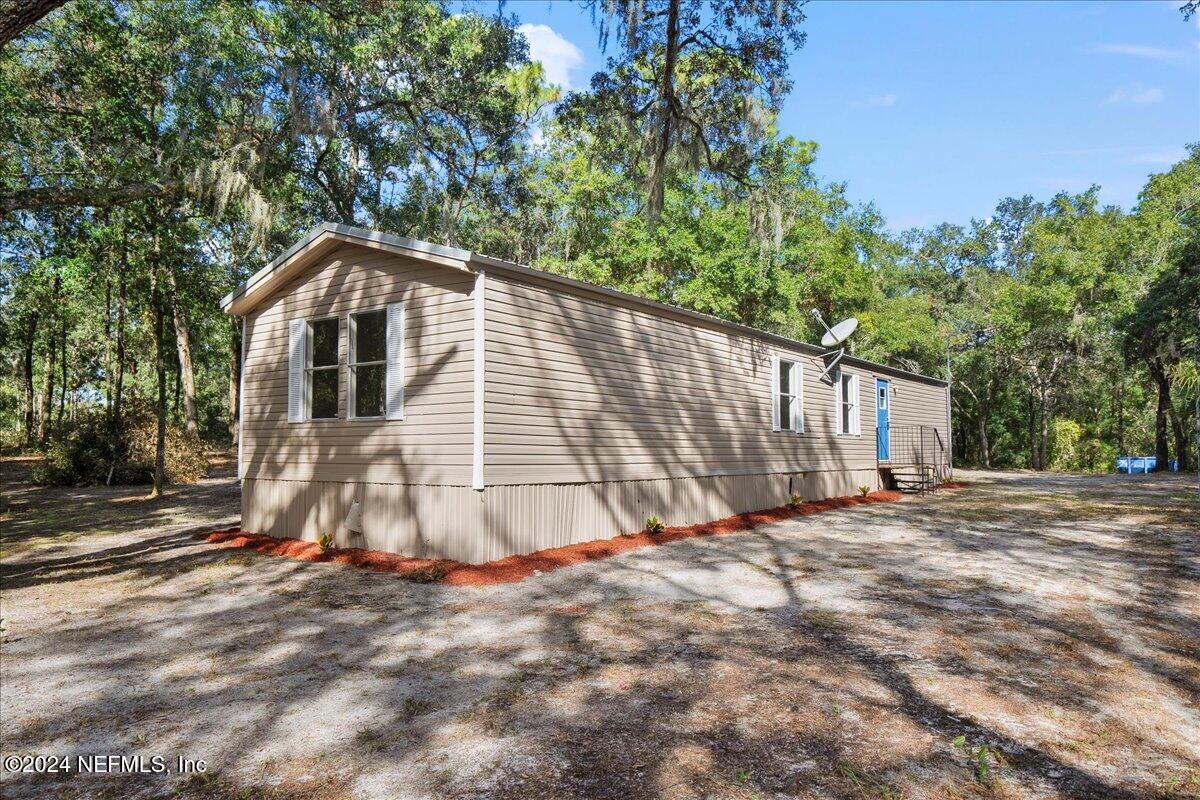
{"points": [[980, 755], [654, 525], [864, 490], [325, 542], [91, 452], [154, 154], [795, 501]]}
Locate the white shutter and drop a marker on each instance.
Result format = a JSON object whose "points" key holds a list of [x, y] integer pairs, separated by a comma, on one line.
{"points": [[837, 401], [297, 352], [798, 402], [856, 417], [774, 393], [395, 361]]}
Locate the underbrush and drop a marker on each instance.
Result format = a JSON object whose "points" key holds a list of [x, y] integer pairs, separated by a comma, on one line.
{"points": [[94, 452]]}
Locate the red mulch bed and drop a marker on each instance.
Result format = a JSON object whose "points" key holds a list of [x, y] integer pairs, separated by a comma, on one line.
{"points": [[516, 568], [953, 485]]}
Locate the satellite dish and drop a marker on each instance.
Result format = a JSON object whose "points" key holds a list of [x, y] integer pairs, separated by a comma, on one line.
{"points": [[839, 333], [833, 338]]}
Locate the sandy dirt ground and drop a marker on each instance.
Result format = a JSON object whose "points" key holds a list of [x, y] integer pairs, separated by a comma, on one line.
{"points": [[1031, 636]]}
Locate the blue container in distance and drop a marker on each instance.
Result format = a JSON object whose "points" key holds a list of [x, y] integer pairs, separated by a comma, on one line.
{"points": [[1138, 465]]}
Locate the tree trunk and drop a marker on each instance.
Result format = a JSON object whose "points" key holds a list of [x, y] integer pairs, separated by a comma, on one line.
{"points": [[160, 369], [30, 336], [1034, 463], [1180, 434], [119, 389], [666, 119], [45, 404], [1043, 435], [1162, 382], [1044, 432], [20, 16], [1121, 416], [985, 456], [183, 345], [62, 396], [108, 349], [176, 383]]}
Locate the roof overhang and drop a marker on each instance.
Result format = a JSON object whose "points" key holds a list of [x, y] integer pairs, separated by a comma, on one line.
{"points": [[317, 243]]}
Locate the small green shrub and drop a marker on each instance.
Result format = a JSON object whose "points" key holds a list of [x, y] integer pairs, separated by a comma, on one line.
{"points": [[654, 524], [864, 490], [325, 542], [979, 755], [795, 501]]}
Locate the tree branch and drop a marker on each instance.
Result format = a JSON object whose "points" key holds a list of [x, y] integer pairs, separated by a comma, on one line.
{"points": [[17, 15], [66, 196]]}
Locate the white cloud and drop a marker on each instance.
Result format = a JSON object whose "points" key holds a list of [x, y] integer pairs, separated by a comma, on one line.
{"points": [[875, 101], [1124, 154], [558, 56], [1144, 51], [1158, 158], [1136, 94]]}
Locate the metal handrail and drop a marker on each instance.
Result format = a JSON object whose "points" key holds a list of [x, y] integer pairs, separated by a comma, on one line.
{"points": [[908, 442]]}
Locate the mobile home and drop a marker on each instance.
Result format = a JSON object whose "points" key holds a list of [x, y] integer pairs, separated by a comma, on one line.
{"points": [[431, 401]]}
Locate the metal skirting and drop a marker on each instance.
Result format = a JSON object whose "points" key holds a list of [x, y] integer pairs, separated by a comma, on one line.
{"points": [[475, 526]]}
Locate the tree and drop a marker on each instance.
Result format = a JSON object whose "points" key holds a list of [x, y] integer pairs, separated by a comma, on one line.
{"points": [[696, 79], [1164, 243]]}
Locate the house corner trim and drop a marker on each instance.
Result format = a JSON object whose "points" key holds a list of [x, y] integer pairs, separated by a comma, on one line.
{"points": [[479, 347]]}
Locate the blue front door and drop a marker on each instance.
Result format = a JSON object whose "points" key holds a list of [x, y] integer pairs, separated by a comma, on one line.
{"points": [[883, 413]]}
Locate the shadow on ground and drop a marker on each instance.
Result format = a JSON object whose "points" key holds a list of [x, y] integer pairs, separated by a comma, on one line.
{"points": [[1052, 619]]}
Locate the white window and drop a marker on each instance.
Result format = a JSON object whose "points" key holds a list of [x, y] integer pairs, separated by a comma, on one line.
{"points": [[375, 360], [846, 404], [322, 378], [368, 364], [787, 395]]}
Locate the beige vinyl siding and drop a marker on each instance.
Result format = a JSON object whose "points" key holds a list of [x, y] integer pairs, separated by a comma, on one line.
{"points": [[583, 388], [915, 403], [433, 444]]}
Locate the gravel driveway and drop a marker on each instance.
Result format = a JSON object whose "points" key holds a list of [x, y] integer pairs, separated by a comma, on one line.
{"points": [[1053, 620]]}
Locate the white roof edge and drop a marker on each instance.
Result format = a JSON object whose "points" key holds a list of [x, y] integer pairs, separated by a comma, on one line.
{"points": [[369, 237]]}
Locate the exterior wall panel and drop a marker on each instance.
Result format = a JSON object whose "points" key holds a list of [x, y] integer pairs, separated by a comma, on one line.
{"points": [[584, 388], [433, 444]]}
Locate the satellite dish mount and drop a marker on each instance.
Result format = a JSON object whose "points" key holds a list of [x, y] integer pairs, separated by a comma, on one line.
{"points": [[833, 338]]}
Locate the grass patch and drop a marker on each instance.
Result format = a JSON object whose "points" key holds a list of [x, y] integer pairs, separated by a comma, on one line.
{"points": [[869, 784]]}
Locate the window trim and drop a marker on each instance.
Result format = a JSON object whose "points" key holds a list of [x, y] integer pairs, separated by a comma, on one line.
{"points": [[840, 402], [309, 368], [352, 354]]}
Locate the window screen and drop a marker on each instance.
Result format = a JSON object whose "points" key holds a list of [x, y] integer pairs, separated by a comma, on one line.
{"points": [[788, 395], [849, 410], [322, 369]]}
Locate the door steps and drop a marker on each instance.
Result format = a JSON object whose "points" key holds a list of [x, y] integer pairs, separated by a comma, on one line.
{"points": [[912, 478]]}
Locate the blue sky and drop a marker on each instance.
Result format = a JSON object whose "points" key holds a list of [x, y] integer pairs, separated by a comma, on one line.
{"points": [[935, 111]]}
